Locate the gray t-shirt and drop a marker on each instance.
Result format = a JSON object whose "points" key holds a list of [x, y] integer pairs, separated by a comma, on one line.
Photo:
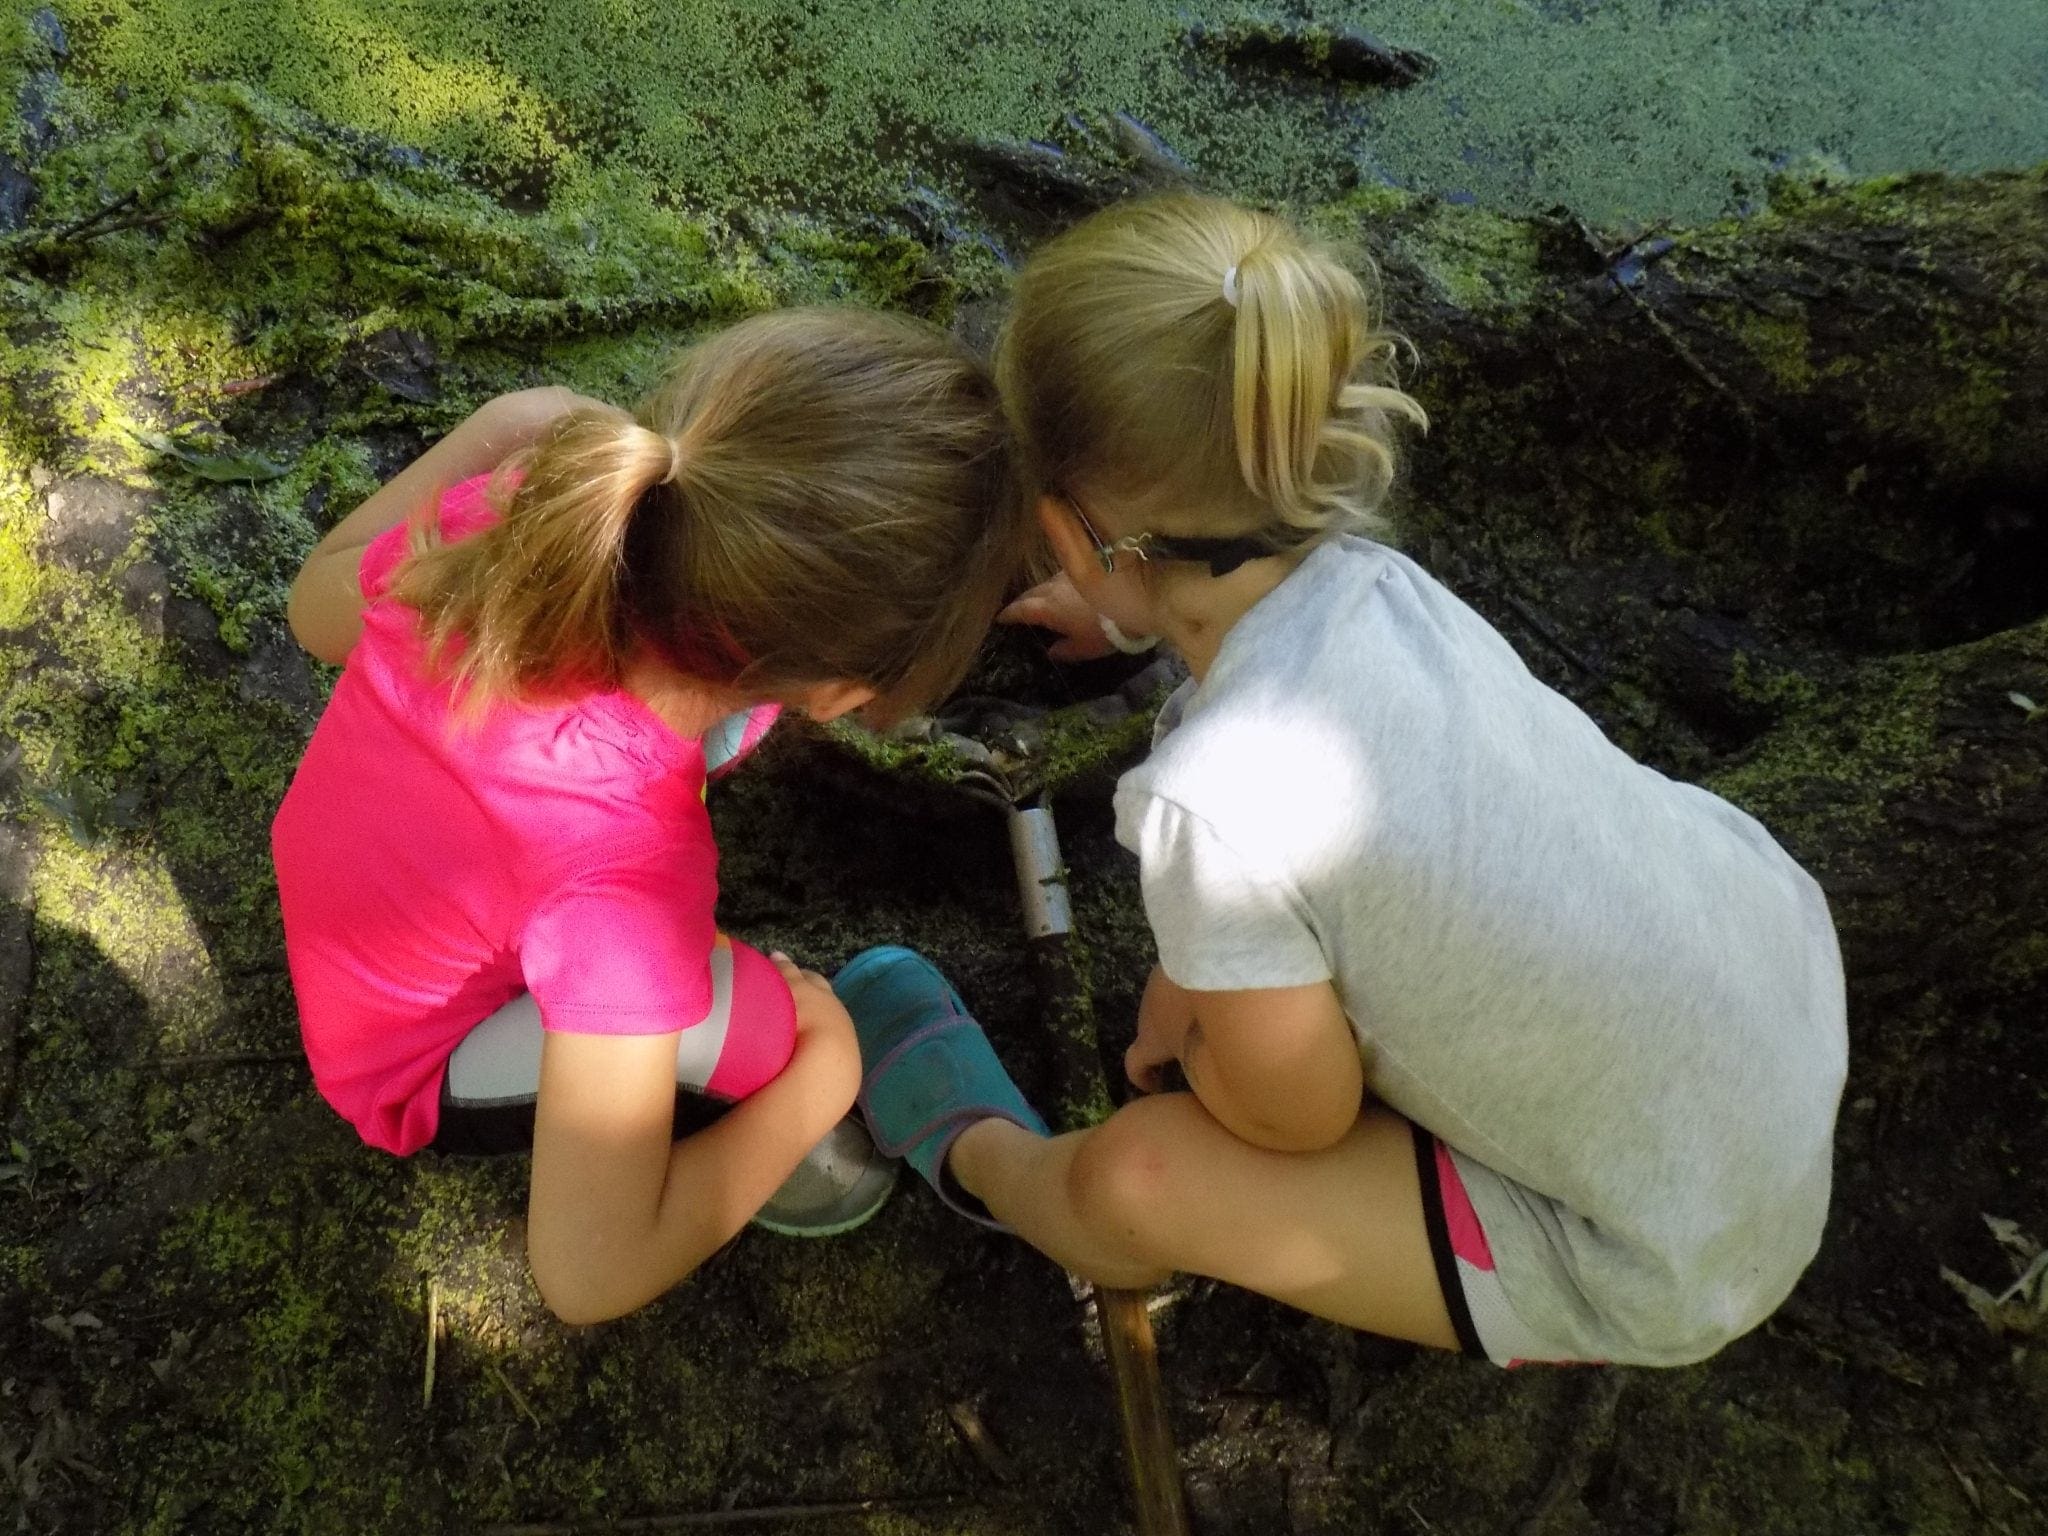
{"points": [[1614, 997]]}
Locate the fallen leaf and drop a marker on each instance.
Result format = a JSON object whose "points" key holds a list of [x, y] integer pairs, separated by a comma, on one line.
{"points": [[226, 468], [2009, 1235], [1999, 1316]]}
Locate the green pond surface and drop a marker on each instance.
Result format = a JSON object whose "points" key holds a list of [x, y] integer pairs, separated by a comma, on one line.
{"points": [[1618, 109]]}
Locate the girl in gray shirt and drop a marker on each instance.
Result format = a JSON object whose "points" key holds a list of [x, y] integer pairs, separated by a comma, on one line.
{"points": [[1496, 1038]]}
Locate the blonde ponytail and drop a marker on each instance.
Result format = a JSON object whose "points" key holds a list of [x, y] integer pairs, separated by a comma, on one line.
{"points": [[1181, 353], [532, 601], [812, 496]]}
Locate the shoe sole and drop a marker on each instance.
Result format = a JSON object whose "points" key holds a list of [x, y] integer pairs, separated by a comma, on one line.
{"points": [[832, 1229]]}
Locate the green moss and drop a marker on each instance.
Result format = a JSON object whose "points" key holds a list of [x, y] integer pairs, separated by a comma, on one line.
{"points": [[2023, 963], [1779, 343], [1829, 771], [1778, 687], [837, 103], [21, 577]]}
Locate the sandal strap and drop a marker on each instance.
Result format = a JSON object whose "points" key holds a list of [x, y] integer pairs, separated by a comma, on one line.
{"points": [[942, 1076]]}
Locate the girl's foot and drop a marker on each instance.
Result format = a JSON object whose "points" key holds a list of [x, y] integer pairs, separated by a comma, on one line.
{"points": [[928, 1071], [841, 1182]]}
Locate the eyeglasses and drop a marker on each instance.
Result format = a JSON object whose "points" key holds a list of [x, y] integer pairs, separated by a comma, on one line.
{"points": [[1221, 555]]}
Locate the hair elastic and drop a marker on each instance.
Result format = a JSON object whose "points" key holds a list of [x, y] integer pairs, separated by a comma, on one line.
{"points": [[1230, 286], [1130, 645]]}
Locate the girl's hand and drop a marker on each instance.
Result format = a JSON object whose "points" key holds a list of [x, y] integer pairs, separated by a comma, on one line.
{"points": [[1057, 606], [825, 1042], [1164, 1018]]}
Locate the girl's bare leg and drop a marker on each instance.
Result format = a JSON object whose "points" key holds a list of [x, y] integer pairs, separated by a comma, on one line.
{"points": [[1160, 1186]]}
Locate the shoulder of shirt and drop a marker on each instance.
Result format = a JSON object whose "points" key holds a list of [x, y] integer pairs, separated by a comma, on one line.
{"points": [[1257, 743], [659, 854]]}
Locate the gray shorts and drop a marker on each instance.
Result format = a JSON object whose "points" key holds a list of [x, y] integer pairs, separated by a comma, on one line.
{"points": [[1485, 1323]]}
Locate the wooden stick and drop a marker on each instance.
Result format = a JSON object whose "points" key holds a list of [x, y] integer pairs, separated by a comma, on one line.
{"points": [[1127, 1342], [1149, 1450], [433, 1333]]}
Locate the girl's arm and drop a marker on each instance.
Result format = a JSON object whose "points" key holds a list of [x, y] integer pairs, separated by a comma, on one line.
{"points": [[1277, 1067], [325, 610], [618, 1213]]}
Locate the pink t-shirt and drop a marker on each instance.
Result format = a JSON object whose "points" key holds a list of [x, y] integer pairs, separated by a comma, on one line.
{"points": [[431, 870]]}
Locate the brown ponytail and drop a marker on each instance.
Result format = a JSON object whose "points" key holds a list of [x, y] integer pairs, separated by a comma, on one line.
{"points": [[1130, 370], [812, 496]]}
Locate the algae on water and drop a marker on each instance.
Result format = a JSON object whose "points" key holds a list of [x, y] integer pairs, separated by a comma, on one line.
{"points": [[1630, 110]]}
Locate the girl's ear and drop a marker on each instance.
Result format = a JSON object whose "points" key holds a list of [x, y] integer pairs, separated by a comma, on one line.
{"points": [[828, 701], [1070, 543]]}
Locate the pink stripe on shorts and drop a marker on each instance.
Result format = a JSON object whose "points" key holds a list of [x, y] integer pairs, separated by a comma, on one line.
{"points": [[1485, 1323]]}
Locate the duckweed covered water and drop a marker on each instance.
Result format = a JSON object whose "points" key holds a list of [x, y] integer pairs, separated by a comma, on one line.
{"points": [[1617, 109]]}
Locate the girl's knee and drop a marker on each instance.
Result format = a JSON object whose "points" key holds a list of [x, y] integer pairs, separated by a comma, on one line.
{"points": [[760, 1029], [1120, 1182]]}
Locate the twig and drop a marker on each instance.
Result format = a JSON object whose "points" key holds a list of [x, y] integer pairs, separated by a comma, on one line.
{"points": [[1672, 339], [691, 1520], [1691, 359], [2021, 1286], [980, 1441], [1592, 1432], [1968, 1486], [117, 226], [126, 200], [433, 1335], [518, 1401], [1550, 637]]}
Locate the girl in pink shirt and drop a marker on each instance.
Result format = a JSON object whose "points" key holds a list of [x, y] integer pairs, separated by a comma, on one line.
{"points": [[495, 852]]}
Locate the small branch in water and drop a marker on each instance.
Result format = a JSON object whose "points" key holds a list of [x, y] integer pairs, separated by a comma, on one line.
{"points": [[712, 1519], [107, 211]]}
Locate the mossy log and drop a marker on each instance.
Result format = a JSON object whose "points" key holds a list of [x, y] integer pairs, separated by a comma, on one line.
{"points": [[1835, 411]]}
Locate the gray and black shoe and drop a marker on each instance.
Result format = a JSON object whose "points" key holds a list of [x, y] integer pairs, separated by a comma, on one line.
{"points": [[841, 1182]]}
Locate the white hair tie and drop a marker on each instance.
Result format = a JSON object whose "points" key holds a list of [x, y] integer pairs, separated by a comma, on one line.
{"points": [[1230, 287], [1130, 645]]}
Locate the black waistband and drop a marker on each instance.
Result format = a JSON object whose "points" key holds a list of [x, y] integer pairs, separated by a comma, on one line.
{"points": [[1440, 1250]]}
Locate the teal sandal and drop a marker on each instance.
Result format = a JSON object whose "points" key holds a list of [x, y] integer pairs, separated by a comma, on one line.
{"points": [[928, 1071]]}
